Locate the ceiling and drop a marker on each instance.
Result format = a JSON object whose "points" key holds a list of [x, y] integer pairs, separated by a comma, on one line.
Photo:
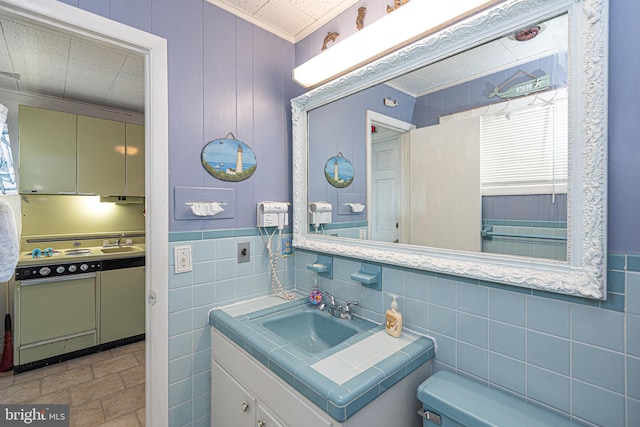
{"points": [[51, 62]]}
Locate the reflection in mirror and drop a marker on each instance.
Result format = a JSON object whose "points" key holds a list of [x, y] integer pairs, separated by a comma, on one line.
{"points": [[472, 155], [473, 74]]}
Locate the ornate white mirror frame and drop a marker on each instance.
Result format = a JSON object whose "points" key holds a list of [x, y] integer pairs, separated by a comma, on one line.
{"points": [[584, 273]]}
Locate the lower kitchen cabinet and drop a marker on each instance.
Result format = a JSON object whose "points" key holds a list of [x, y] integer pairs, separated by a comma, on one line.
{"points": [[122, 303], [54, 316]]}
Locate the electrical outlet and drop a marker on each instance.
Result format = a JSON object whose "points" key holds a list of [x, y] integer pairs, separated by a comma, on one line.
{"points": [[244, 252], [363, 234], [182, 255]]}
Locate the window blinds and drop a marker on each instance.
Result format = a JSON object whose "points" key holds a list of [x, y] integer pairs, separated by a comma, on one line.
{"points": [[525, 151]]}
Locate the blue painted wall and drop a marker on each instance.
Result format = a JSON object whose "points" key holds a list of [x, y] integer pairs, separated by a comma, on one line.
{"points": [[340, 127], [225, 75], [572, 355]]}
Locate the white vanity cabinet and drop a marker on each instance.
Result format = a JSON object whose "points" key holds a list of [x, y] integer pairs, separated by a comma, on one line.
{"points": [[234, 405], [244, 393], [238, 379]]}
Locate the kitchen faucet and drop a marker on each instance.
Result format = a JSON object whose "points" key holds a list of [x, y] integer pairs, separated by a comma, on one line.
{"points": [[106, 244], [339, 311]]}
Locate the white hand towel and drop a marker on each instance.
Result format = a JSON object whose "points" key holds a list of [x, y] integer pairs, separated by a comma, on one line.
{"points": [[356, 207], [9, 246], [206, 208]]}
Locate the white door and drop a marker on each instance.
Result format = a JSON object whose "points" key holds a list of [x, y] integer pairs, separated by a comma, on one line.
{"points": [[385, 169], [445, 207]]}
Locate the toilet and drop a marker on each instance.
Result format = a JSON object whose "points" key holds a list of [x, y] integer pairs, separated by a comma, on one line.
{"points": [[450, 400]]}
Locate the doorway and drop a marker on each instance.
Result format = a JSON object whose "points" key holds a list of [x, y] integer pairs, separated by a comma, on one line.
{"points": [[386, 139], [73, 20]]}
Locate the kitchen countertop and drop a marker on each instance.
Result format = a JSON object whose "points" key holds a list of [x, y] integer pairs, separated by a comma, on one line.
{"points": [[95, 253], [322, 377]]}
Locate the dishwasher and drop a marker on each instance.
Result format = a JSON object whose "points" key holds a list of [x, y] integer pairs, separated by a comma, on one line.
{"points": [[56, 310], [122, 300]]}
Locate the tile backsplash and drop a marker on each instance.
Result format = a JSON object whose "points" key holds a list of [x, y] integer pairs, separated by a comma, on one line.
{"points": [[571, 355]]}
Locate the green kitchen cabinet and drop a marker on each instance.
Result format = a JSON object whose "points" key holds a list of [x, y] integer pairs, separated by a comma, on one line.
{"points": [[134, 176], [122, 304], [47, 145], [63, 153], [101, 156]]}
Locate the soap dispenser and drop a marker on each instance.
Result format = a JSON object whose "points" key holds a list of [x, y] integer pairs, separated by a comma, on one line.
{"points": [[393, 318]]}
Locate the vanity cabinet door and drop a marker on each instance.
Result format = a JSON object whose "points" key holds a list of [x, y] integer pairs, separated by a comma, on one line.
{"points": [[265, 419], [231, 404]]}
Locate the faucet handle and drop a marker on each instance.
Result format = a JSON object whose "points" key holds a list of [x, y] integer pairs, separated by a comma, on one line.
{"points": [[333, 300], [348, 304]]}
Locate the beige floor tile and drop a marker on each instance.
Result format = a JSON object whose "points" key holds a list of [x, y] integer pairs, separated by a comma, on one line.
{"points": [[129, 348], [39, 373], [6, 379], [88, 360], [129, 420], [120, 404], [140, 355], [65, 379], [56, 398], [96, 389], [21, 393], [88, 415], [115, 364], [141, 416], [133, 376]]}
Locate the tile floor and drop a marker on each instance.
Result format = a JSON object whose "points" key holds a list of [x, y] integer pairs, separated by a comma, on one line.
{"points": [[102, 389]]}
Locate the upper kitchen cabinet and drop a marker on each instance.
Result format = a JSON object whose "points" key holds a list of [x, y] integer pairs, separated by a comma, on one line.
{"points": [[101, 156], [62, 153], [134, 161], [47, 151]]}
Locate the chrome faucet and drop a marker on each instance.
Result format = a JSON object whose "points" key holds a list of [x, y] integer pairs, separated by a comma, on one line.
{"points": [[346, 312], [339, 311]]}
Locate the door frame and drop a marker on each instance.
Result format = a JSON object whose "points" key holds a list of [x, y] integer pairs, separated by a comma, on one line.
{"points": [[402, 127], [72, 19]]}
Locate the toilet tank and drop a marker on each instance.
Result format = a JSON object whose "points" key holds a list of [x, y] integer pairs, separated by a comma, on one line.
{"points": [[449, 400]]}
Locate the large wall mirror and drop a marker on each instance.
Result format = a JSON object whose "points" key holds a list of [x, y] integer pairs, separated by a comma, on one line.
{"points": [[478, 151]]}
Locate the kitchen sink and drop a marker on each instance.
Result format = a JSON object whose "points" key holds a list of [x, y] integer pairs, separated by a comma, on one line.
{"points": [[120, 249], [77, 251]]}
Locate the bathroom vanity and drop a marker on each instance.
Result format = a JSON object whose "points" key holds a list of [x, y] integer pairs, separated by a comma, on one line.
{"points": [[264, 375]]}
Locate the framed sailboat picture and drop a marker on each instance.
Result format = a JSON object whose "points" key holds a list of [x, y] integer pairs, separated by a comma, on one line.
{"points": [[229, 159]]}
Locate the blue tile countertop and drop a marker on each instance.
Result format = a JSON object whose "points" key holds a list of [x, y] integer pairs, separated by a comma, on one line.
{"points": [[340, 380]]}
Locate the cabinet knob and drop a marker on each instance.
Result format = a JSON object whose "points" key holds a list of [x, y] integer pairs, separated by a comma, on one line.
{"points": [[245, 406], [261, 423]]}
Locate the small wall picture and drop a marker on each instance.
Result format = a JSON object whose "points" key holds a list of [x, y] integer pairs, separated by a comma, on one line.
{"points": [[229, 159], [339, 171]]}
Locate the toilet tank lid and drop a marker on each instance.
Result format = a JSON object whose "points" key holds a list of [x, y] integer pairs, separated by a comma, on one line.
{"points": [[472, 403]]}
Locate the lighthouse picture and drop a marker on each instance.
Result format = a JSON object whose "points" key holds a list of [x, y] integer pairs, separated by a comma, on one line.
{"points": [[229, 160], [339, 171]]}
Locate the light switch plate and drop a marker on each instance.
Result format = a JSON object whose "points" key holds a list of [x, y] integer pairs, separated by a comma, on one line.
{"points": [[182, 255]]}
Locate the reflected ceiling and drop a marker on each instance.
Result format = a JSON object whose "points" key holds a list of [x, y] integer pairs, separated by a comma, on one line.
{"points": [[497, 55]]}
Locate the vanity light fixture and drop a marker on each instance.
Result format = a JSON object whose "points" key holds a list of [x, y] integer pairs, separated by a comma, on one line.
{"points": [[409, 23]]}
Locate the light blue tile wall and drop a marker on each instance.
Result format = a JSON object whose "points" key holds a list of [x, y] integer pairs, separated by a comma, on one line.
{"points": [[567, 354], [216, 279]]}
